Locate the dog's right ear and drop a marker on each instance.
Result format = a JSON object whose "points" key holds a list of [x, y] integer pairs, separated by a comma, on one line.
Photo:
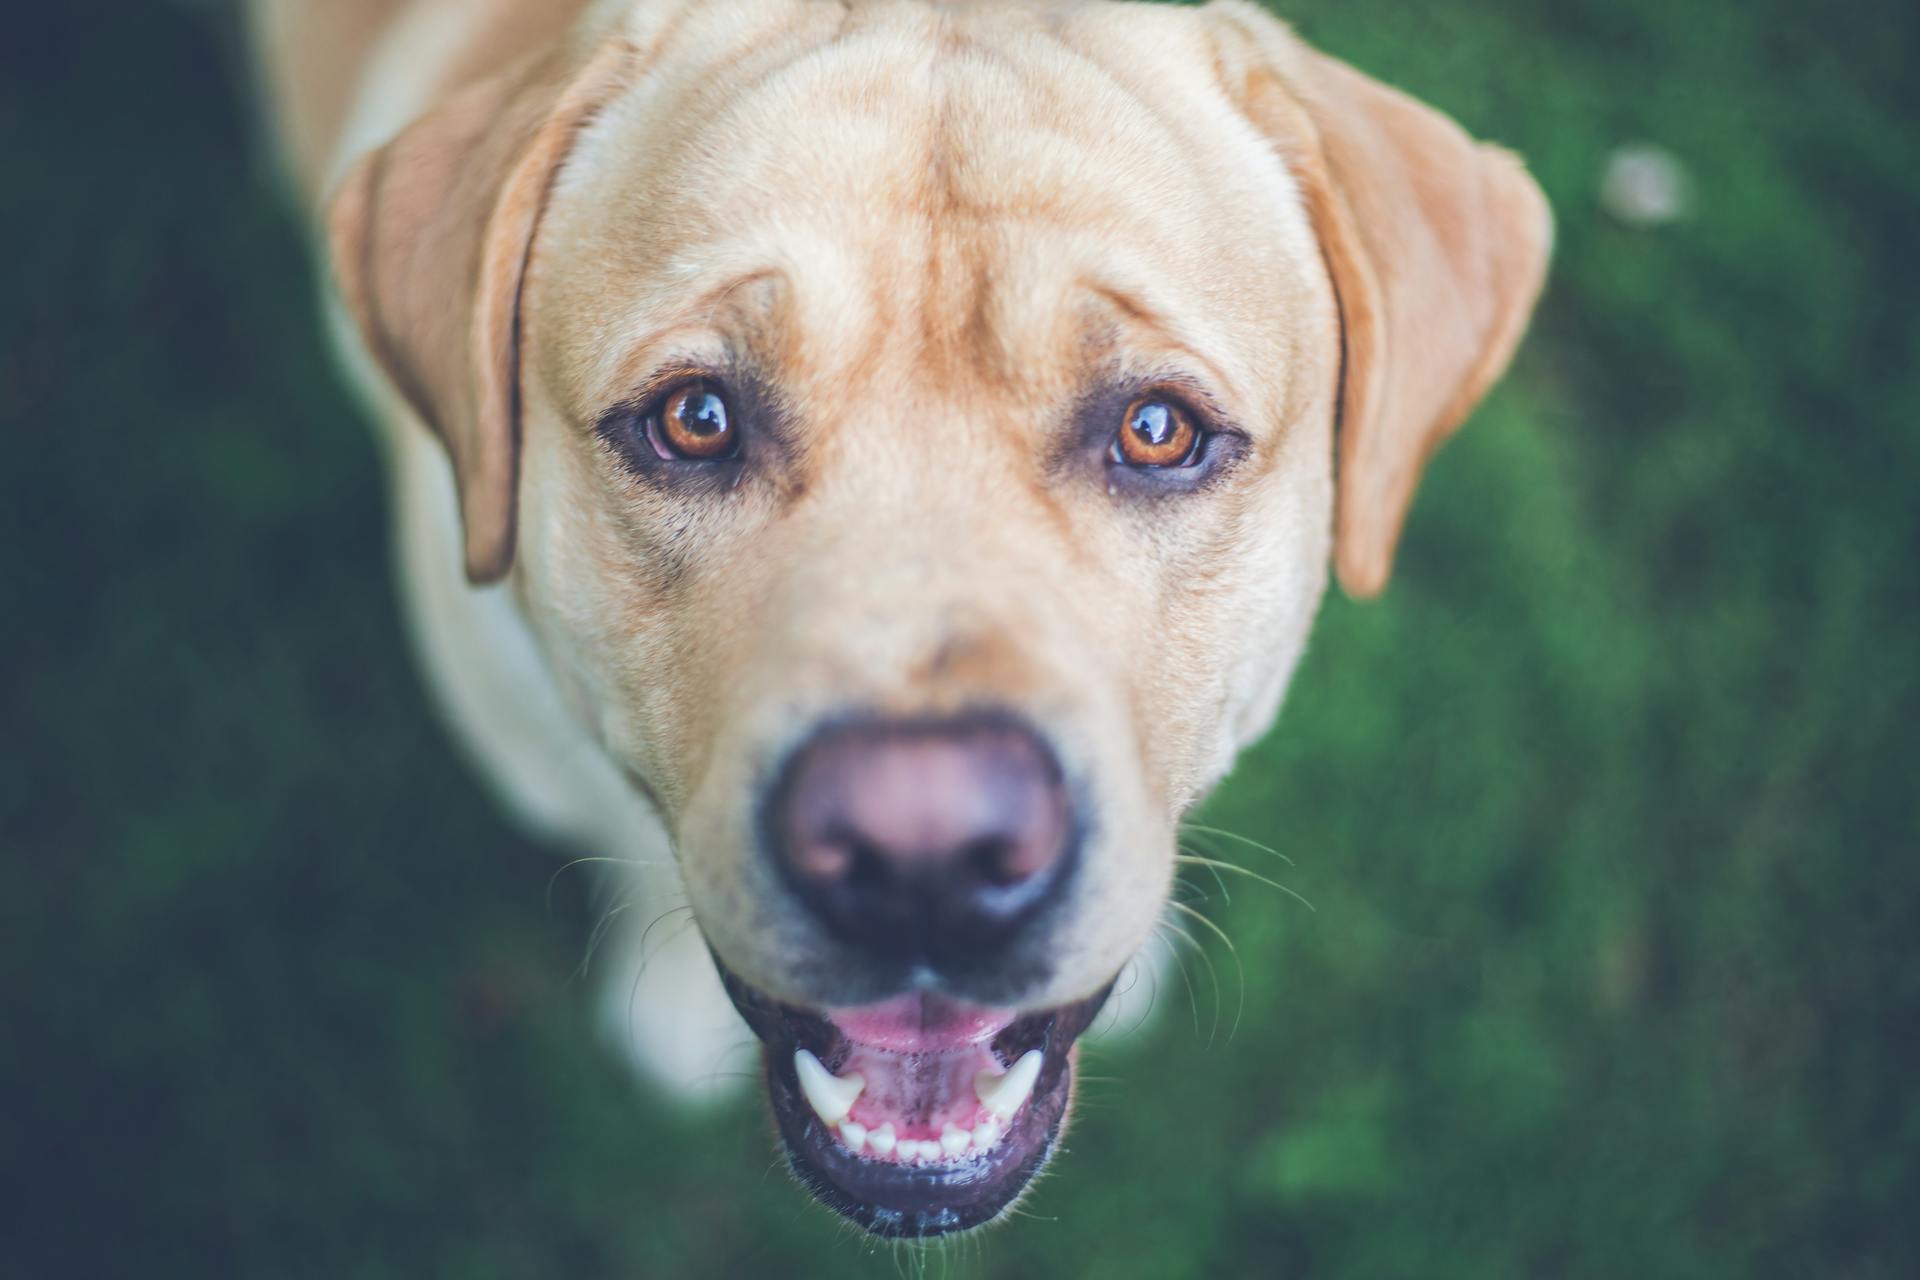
{"points": [[430, 239]]}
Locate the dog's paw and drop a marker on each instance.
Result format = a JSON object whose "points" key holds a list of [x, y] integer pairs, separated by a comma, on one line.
{"points": [[662, 1008]]}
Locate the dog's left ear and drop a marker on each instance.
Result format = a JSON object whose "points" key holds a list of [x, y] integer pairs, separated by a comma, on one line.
{"points": [[430, 239], [1437, 247]]}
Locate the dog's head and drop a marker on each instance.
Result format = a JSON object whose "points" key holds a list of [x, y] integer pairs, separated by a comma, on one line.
{"points": [[910, 431]]}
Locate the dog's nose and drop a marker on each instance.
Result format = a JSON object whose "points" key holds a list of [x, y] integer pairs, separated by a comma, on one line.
{"points": [[924, 843]]}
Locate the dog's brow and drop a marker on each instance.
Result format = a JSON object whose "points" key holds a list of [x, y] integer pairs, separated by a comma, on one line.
{"points": [[1125, 302], [1133, 306], [641, 356]]}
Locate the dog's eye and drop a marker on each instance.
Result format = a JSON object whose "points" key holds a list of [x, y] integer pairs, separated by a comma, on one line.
{"points": [[693, 422], [1157, 434]]}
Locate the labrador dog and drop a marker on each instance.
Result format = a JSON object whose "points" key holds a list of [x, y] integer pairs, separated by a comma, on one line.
{"points": [[869, 465]]}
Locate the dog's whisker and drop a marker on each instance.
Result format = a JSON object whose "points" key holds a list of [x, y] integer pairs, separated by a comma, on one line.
{"points": [[1187, 856], [1213, 981], [1153, 999], [1240, 970], [1212, 927], [720, 1056], [1185, 890], [1108, 1017], [1186, 978], [598, 935], [946, 1247], [1153, 995], [1217, 866], [646, 956], [1030, 1215], [604, 925], [1139, 969], [1132, 974], [748, 1048], [565, 867], [655, 923], [1193, 997], [1223, 834]]}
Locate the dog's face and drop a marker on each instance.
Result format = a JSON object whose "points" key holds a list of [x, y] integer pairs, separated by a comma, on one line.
{"points": [[910, 432]]}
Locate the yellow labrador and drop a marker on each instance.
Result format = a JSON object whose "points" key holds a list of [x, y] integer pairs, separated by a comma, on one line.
{"points": [[896, 452]]}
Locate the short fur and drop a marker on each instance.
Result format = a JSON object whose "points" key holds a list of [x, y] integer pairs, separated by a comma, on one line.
{"points": [[932, 235]]}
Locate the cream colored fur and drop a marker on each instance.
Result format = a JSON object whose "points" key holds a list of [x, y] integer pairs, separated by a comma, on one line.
{"points": [[934, 229]]}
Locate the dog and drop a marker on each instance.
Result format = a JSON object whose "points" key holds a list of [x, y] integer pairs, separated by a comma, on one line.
{"points": [[867, 466]]}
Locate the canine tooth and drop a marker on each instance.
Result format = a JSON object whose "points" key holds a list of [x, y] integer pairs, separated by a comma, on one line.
{"points": [[954, 1140], [831, 1096], [986, 1133], [882, 1139], [1005, 1094], [855, 1134]]}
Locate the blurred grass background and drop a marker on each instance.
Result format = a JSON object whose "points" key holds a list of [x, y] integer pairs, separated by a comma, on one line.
{"points": [[1608, 811]]}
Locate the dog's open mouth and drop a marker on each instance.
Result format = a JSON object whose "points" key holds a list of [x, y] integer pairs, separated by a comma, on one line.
{"points": [[920, 1115]]}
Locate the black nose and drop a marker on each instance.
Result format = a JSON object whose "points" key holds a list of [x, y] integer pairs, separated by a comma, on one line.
{"points": [[924, 842]]}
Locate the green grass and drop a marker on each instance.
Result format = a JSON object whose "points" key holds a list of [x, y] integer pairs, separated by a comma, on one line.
{"points": [[1609, 810]]}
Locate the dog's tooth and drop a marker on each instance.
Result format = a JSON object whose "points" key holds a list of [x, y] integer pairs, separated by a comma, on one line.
{"points": [[986, 1133], [882, 1139], [854, 1134], [929, 1150], [954, 1140], [831, 1096], [1005, 1094]]}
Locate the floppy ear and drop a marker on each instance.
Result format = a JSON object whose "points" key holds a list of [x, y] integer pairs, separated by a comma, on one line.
{"points": [[1437, 247], [430, 238]]}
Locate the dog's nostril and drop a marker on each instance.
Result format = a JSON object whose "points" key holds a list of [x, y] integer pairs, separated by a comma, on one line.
{"points": [[994, 860], [869, 867], [923, 841]]}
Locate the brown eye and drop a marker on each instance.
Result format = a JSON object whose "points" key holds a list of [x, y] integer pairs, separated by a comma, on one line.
{"points": [[694, 423], [1156, 433]]}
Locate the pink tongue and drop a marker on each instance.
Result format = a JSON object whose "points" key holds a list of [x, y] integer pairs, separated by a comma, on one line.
{"points": [[920, 1024], [919, 1055]]}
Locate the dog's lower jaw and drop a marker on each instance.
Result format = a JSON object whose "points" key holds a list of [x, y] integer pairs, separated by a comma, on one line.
{"points": [[917, 1116]]}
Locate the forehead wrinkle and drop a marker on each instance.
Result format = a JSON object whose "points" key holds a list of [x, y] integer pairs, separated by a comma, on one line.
{"points": [[980, 85], [1029, 178], [829, 329], [998, 174], [1031, 85]]}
